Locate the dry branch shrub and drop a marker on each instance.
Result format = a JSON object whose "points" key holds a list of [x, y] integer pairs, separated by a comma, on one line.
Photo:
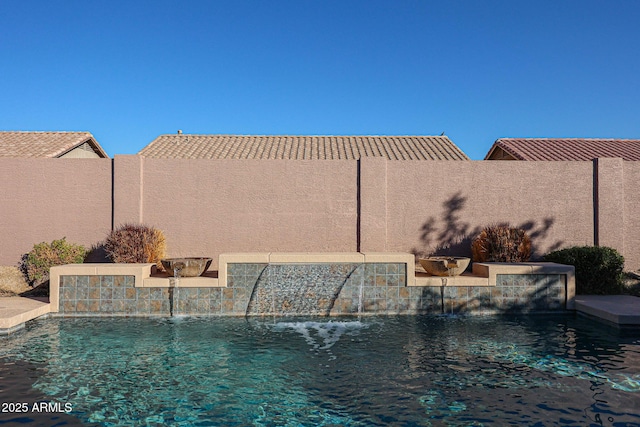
{"points": [[501, 243], [135, 243]]}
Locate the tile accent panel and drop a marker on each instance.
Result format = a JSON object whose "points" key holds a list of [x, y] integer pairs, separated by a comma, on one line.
{"points": [[372, 288], [381, 288], [513, 293]]}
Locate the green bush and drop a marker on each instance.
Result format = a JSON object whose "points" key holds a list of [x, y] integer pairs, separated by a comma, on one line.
{"points": [[36, 264], [598, 268], [135, 243], [501, 243]]}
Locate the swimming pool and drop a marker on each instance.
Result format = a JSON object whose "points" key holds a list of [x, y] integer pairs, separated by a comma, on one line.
{"points": [[406, 370]]}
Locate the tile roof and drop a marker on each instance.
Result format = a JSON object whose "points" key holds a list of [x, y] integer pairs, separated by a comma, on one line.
{"points": [[300, 147], [44, 144], [567, 148]]}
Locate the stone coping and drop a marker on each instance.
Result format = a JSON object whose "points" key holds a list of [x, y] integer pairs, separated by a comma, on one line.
{"points": [[208, 280], [15, 311], [621, 310], [465, 279], [491, 269]]}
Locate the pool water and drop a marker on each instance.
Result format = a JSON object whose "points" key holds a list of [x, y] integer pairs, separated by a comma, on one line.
{"points": [[404, 371]]}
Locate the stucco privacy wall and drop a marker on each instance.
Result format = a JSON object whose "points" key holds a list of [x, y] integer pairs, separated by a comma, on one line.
{"points": [[47, 199], [206, 207], [429, 204], [631, 227]]}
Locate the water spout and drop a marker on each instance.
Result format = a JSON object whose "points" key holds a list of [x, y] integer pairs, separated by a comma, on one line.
{"points": [[452, 264], [361, 293], [273, 297], [444, 284], [177, 271], [171, 298]]}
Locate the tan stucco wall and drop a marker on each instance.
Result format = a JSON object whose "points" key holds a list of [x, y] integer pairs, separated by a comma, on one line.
{"points": [[206, 207], [47, 199], [610, 195], [127, 189], [435, 203], [631, 189]]}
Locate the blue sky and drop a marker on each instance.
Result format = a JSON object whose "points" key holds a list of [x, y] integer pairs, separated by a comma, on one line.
{"points": [[478, 70]]}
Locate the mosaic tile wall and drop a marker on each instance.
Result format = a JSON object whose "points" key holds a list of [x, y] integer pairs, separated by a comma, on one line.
{"points": [[117, 296], [299, 289], [103, 295], [258, 289], [324, 289], [513, 293], [384, 291]]}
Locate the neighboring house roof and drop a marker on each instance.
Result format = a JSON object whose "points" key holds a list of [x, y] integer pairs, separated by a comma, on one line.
{"points": [[48, 144], [302, 147], [563, 149]]}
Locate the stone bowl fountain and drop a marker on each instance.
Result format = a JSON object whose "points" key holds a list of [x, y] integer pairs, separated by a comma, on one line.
{"points": [[445, 265], [186, 267]]}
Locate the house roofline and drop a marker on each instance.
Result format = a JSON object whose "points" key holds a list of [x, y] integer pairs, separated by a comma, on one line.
{"points": [[94, 144]]}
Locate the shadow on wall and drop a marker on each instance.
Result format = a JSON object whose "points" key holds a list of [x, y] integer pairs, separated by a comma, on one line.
{"points": [[455, 237]]}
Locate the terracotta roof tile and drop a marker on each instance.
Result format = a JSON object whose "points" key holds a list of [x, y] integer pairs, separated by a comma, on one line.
{"points": [[302, 147], [43, 144], [567, 148]]}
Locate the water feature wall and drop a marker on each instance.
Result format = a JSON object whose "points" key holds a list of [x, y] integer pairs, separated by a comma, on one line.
{"points": [[295, 289], [252, 289], [325, 289], [310, 289]]}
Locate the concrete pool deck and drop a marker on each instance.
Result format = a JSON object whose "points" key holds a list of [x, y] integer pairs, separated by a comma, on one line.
{"points": [[621, 310], [16, 311]]}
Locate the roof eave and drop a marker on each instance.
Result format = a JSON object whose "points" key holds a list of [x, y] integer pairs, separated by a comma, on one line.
{"points": [[91, 140], [498, 145], [491, 151]]}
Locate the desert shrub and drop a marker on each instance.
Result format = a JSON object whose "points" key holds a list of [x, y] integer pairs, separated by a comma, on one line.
{"points": [[36, 264], [135, 243], [501, 243], [598, 268]]}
